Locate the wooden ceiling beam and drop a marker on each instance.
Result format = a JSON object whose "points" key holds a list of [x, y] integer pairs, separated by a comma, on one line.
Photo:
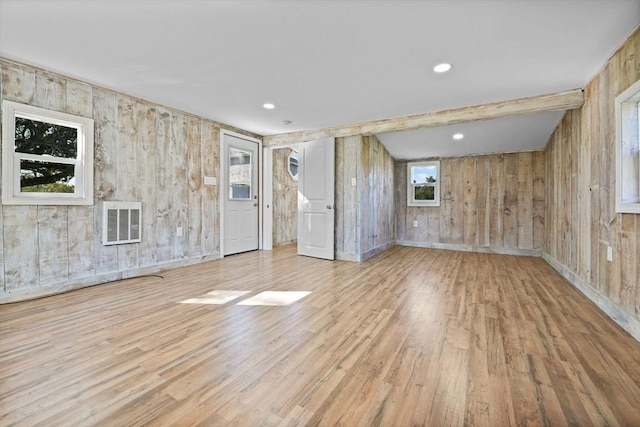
{"points": [[566, 100]]}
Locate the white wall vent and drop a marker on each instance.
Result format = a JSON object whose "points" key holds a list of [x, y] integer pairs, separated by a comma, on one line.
{"points": [[121, 223]]}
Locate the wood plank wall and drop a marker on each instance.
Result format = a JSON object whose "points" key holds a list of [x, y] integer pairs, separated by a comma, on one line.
{"points": [[143, 152], [375, 186], [490, 202], [285, 200], [580, 187], [364, 211]]}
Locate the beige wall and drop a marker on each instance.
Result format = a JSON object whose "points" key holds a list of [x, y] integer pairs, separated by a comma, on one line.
{"points": [[143, 152], [492, 202], [580, 212]]}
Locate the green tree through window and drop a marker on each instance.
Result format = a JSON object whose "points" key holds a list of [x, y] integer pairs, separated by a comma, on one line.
{"points": [[46, 139], [425, 192]]}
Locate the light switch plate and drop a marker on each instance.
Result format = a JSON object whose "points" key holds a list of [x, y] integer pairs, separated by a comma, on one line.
{"points": [[353, 182], [609, 253], [210, 180]]}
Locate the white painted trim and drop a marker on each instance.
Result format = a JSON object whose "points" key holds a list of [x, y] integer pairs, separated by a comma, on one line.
{"points": [[471, 248], [223, 181], [83, 162], [622, 318], [436, 187], [260, 196], [267, 199]]}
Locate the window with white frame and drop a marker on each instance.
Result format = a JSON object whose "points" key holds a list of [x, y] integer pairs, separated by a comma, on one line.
{"points": [[47, 157], [627, 114], [423, 183]]}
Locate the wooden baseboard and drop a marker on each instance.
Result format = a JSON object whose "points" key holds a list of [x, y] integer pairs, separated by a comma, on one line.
{"points": [[470, 248], [100, 279], [618, 315], [378, 249], [343, 256]]}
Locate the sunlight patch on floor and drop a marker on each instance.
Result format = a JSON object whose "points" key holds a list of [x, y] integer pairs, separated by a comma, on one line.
{"points": [[216, 297]]}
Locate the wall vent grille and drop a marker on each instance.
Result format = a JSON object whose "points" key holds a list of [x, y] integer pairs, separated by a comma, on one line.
{"points": [[121, 223]]}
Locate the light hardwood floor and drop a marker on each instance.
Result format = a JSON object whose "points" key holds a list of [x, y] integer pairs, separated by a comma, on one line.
{"points": [[410, 337]]}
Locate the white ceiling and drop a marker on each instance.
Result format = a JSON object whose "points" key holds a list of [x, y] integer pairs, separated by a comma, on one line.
{"points": [[328, 63], [509, 134]]}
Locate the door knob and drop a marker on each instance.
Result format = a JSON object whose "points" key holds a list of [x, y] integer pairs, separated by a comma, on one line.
{"points": [[255, 204], [329, 206]]}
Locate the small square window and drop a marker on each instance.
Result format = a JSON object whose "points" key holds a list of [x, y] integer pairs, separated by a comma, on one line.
{"points": [[423, 183], [47, 157]]}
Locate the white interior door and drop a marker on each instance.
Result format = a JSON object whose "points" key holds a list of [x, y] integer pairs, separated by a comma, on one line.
{"points": [[240, 192], [316, 166]]}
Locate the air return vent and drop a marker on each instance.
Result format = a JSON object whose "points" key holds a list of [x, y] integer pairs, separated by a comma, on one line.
{"points": [[121, 223]]}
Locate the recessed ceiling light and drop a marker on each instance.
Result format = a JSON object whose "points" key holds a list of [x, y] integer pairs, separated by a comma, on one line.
{"points": [[442, 68], [268, 106], [286, 122], [458, 136]]}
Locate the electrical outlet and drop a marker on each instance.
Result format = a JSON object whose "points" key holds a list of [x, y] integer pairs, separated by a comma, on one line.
{"points": [[179, 231], [210, 180], [415, 223], [353, 182], [609, 253]]}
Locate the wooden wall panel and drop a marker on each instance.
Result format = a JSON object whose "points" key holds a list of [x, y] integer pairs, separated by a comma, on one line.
{"points": [[145, 144], [470, 199], [580, 212], [347, 217], [21, 257], [50, 91], [456, 189], [81, 243], [210, 165], [52, 245], [525, 200], [180, 189], [538, 202], [491, 201], [142, 152], [365, 195], [376, 204], [164, 186], [285, 200], [510, 211], [483, 202], [18, 82], [339, 196], [79, 101], [127, 168], [193, 230], [496, 195], [401, 222], [365, 216], [447, 197], [104, 173]]}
